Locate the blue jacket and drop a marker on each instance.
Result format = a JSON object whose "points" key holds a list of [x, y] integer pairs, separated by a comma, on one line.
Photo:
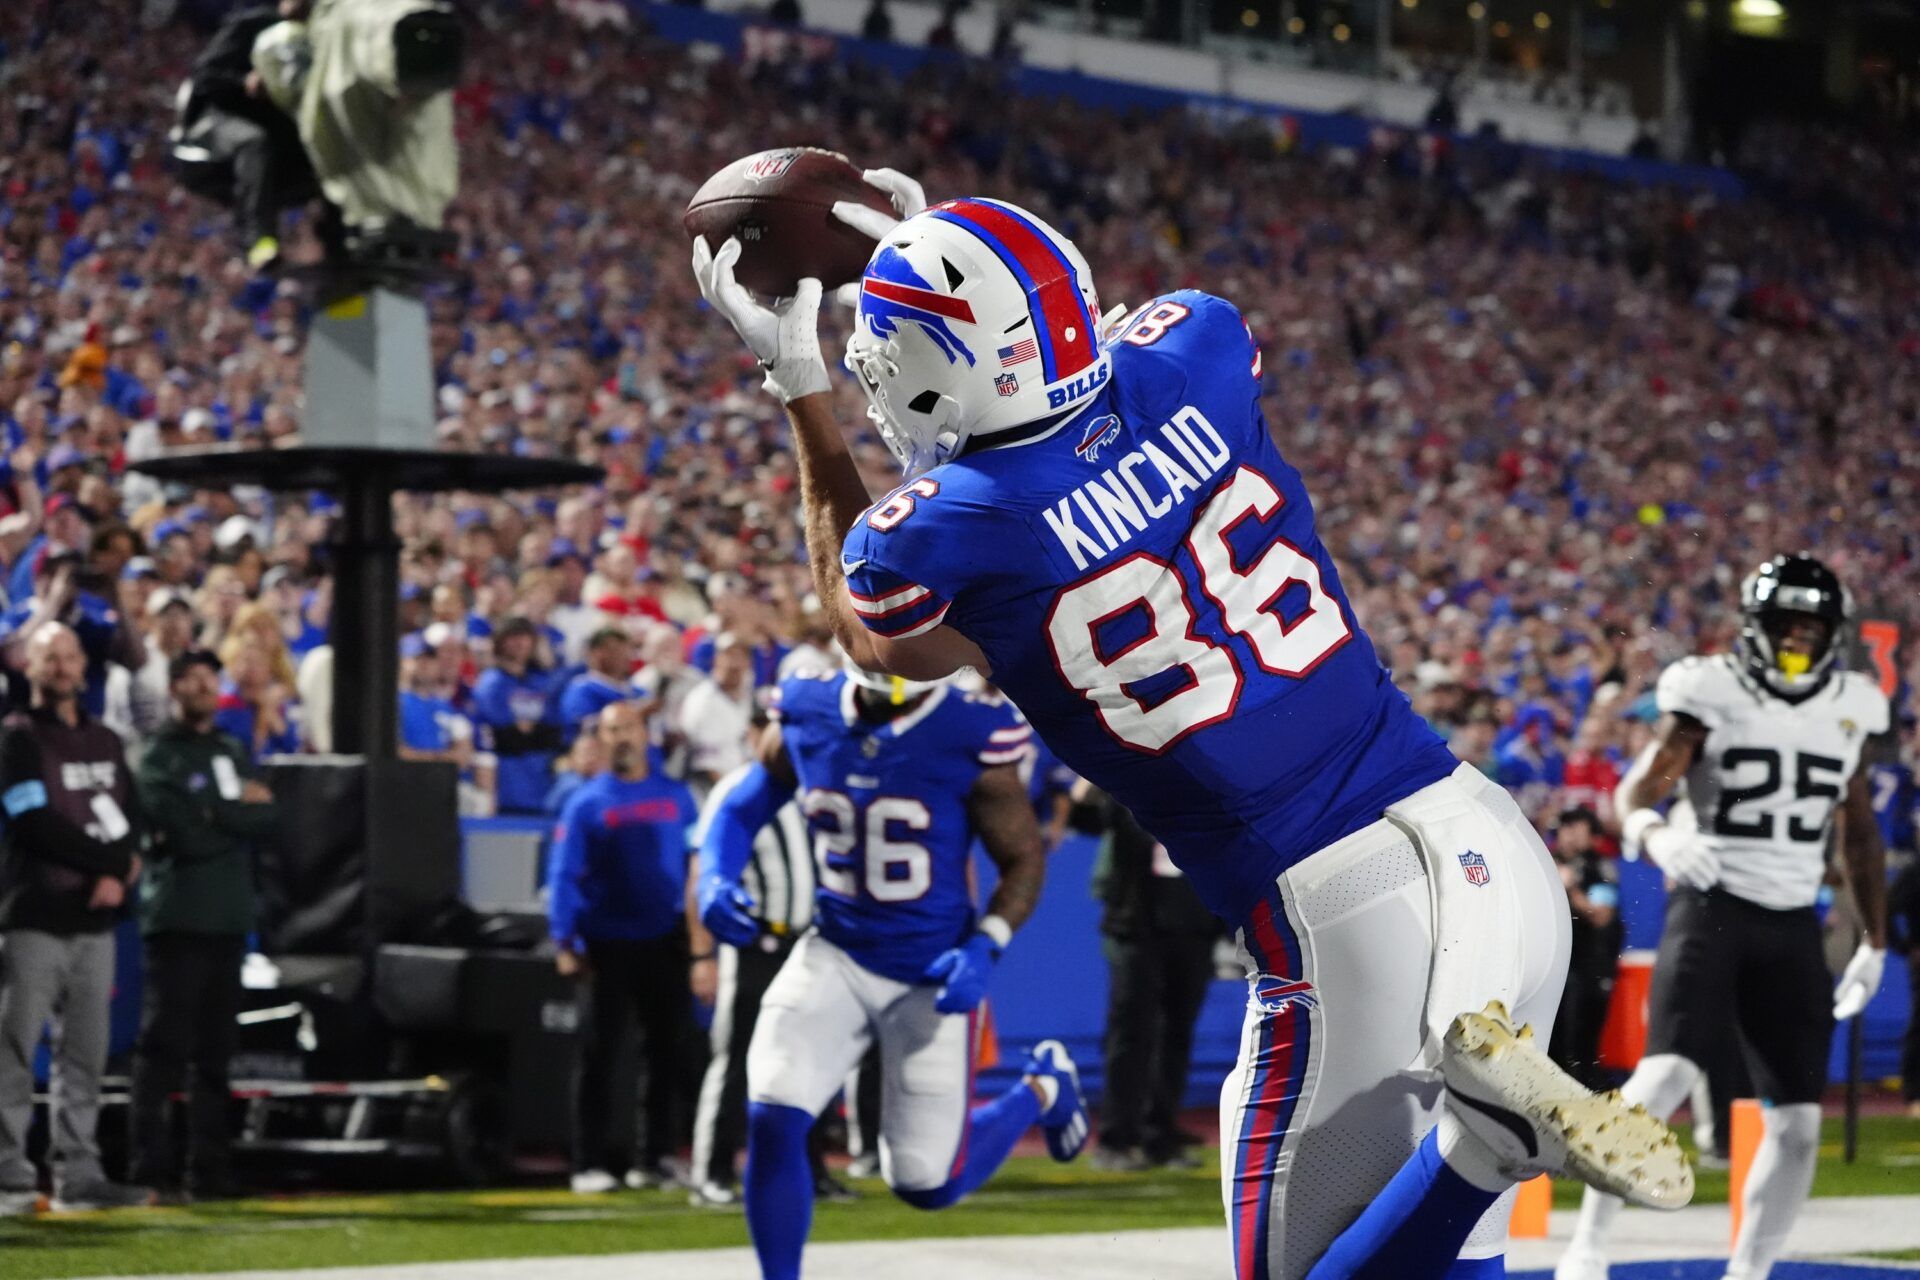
{"points": [[618, 868]]}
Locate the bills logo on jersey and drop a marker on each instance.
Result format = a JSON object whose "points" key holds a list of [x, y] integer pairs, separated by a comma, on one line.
{"points": [[772, 164], [1475, 868], [892, 291], [1102, 431], [1007, 384], [1275, 994]]}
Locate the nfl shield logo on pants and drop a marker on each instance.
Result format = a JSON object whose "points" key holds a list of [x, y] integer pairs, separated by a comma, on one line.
{"points": [[1476, 868], [1007, 384]]}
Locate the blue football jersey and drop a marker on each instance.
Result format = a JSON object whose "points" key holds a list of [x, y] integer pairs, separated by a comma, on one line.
{"points": [[887, 805], [1147, 583]]}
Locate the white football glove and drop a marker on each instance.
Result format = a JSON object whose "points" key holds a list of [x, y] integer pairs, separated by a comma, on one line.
{"points": [[1683, 855], [785, 337], [909, 198], [1858, 982]]}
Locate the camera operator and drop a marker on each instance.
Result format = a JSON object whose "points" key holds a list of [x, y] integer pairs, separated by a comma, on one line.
{"points": [[234, 144]]}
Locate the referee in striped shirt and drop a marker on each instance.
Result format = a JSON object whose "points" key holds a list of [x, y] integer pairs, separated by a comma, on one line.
{"points": [[780, 880]]}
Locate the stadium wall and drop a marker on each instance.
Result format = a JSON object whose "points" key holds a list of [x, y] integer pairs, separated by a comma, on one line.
{"points": [[1159, 77]]}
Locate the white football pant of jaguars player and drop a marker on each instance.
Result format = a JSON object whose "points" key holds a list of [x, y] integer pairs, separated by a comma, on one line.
{"points": [[1767, 741]]}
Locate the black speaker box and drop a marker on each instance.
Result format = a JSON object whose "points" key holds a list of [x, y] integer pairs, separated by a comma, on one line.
{"points": [[364, 850]]}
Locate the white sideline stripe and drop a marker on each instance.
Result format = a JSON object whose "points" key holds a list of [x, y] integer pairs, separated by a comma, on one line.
{"points": [[1832, 1228]]}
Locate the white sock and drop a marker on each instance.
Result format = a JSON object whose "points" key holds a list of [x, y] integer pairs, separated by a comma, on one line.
{"points": [[1777, 1185], [1659, 1084], [1049, 1091], [1467, 1156]]}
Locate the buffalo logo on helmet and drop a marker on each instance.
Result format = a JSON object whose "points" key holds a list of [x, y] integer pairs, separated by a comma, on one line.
{"points": [[893, 291], [1475, 868]]}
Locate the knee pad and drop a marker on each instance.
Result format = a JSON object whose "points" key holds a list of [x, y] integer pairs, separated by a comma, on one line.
{"points": [[917, 1180], [1661, 1083]]}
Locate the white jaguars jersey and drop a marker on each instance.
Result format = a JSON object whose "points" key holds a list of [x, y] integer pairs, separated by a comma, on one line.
{"points": [[1772, 772]]}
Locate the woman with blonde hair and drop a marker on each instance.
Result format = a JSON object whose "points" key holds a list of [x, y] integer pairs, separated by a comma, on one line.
{"points": [[258, 620], [256, 705], [218, 602]]}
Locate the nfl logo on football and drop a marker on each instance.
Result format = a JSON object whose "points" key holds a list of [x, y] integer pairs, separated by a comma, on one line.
{"points": [[772, 165], [1475, 867], [1006, 384]]}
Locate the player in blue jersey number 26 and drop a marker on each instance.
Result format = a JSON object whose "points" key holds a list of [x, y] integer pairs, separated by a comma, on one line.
{"points": [[897, 780], [1094, 511]]}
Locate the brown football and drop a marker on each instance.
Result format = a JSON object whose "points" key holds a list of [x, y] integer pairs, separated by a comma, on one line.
{"points": [[780, 204]]}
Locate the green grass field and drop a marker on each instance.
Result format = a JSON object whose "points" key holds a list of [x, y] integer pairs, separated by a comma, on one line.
{"points": [[1030, 1196]]}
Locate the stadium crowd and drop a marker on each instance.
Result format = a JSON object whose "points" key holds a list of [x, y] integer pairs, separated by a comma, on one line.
{"points": [[1550, 420], [1529, 402]]}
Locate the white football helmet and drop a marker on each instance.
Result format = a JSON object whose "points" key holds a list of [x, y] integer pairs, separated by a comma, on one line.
{"points": [[897, 690], [975, 317]]}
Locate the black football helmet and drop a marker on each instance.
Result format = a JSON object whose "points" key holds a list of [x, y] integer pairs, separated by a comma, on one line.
{"points": [[1784, 590]]}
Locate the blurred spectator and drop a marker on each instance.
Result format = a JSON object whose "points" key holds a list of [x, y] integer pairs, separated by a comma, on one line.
{"points": [[72, 837], [315, 684], [170, 627], [433, 728], [608, 679], [1158, 941], [64, 592], [514, 700], [256, 705], [585, 760], [618, 883], [206, 809], [718, 711], [1593, 892]]}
